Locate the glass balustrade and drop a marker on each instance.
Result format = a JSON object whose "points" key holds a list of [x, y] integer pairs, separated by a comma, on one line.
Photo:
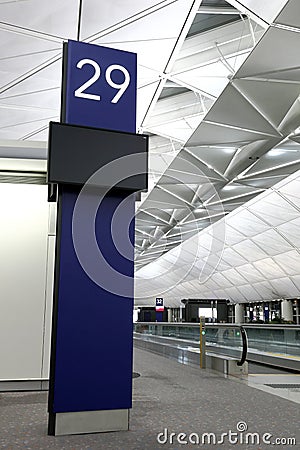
{"points": [[226, 339]]}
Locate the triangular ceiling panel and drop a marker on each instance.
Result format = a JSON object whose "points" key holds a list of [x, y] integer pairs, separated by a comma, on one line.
{"points": [[261, 182], [145, 76], [290, 14], [45, 78], [210, 78], [233, 109], [111, 14], [190, 164], [280, 171], [273, 99], [247, 156], [231, 204], [145, 96], [216, 157], [288, 75], [212, 134], [55, 18], [279, 156], [235, 190], [50, 98], [264, 9], [295, 138], [263, 62], [154, 45], [23, 54]]}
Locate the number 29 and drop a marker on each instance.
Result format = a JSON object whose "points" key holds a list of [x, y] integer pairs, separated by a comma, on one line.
{"points": [[80, 92]]}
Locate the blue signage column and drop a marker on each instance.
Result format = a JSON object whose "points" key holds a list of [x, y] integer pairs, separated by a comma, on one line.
{"points": [[159, 309], [91, 348]]}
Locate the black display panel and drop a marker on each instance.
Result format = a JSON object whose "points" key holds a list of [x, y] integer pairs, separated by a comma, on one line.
{"points": [[75, 153]]}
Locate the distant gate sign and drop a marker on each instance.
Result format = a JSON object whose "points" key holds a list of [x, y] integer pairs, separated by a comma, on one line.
{"points": [[100, 85], [159, 304]]}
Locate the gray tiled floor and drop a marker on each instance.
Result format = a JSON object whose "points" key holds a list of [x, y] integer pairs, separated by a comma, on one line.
{"points": [[167, 395]]}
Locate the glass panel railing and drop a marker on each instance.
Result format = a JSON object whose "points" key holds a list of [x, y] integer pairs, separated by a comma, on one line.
{"points": [[189, 332], [220, 338], [277, 340], [230, 340], [225, 340]]}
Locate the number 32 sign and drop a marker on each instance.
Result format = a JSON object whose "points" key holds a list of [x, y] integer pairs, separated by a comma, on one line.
{"points": [[99, 87]]}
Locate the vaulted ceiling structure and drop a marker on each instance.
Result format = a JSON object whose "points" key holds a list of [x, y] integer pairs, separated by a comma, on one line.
{"points": [[218, 94]]}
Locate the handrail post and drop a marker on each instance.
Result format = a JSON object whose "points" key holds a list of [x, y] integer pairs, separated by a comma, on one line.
{"points": [[202, 343], [245, 346]]}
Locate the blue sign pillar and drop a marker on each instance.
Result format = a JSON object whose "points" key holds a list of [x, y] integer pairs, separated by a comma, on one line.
{"points": [[159, 309], [91, 349]]}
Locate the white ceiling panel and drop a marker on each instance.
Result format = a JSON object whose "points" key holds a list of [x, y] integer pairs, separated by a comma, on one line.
{"points": [[263, 9], [247, 223], [264, 289], [113, 15], [290, 230], [272, 242], [235, 293], [250, 273], [54, 18], [250, 250], [48, 99], [275, 210], [290, 186], [269, 269], [285, 288], [296, 280], [221, 280], [289, 262], [233, 236], [231, 257], [249, 293], [234, 277]]}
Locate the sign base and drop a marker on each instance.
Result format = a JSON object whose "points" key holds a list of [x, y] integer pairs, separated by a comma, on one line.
{"points": [[82, 422]]}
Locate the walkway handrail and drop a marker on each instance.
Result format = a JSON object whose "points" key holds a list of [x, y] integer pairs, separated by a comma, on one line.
{"points": [[245, 346]]}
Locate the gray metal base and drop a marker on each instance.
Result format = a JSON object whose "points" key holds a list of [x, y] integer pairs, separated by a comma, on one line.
{"points": [[91, 422], [23, 385]]}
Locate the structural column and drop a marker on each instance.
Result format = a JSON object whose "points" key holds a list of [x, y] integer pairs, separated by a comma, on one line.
{"points": [[239, 311], [297, 312], [287, 310]]}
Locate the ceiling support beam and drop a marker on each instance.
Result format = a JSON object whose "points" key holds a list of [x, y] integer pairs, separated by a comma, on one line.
{"points": [[218, 10]]}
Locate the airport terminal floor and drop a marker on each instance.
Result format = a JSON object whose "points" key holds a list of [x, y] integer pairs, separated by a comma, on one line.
{"points": [[174, 406]]}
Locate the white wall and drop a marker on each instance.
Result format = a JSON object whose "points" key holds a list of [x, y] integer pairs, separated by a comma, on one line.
{"points": [[24, 251]]}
